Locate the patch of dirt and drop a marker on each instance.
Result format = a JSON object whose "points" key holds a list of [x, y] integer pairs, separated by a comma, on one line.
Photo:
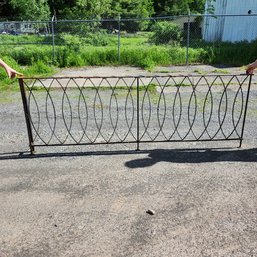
{"points": [[104, 71]]}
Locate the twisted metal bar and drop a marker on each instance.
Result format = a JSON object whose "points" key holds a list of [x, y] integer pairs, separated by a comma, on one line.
{"points": [[102, 110]]}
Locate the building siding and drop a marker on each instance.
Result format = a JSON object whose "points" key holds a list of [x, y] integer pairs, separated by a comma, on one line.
{"points": [[231, 28]]}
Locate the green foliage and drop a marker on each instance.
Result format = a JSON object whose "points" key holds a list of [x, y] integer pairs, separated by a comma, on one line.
{"points": [[132, 8], [78, 28], [69, 58], [135, 51], [98, 9], [100, 55], [196, 6], [39, 68], [92, 9], [178, 7], [6, 39], [73, 42], [150, 57], [27, 55], [165, 32], [128, 9], [31, 9], [99, 38], [227, 53]]}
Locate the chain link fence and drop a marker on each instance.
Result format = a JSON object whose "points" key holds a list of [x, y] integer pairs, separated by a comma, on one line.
{"points": [[188, 32]]}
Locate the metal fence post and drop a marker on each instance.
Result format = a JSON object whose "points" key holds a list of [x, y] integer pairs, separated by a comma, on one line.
{"points": [[245, 111], [53, 39], [188, 38], [27, 115], [138, 113], [119, 39]]}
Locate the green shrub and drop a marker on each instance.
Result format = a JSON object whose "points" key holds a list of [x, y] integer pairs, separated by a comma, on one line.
{"points": [[165, 32], [99, 55], [39, 68], [99, 38], [27, 55], [75, 61], [134, 50], [72, 41], [61, 56]]}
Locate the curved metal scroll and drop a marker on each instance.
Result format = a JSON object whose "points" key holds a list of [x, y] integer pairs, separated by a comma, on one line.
{"points": [[108, 110]]}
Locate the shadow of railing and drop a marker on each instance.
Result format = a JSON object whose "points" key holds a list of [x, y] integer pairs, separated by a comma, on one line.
{"points": [[197, 155], [194, 156]]}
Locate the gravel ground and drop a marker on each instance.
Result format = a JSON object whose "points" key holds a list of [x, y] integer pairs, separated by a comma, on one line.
{"points": [[94, 201], [134, 71]]}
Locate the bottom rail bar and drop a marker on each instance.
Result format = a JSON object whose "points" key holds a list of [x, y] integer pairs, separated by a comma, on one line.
{"points": [[113, 110]]}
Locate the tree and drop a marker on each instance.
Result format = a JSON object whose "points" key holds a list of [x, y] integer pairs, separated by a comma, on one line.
{"points": [[178, 7], [5, 10], [170, 7], [132, 8], [96, 9], [197, 6], [57, 6], [100, 9], [85, 9], [30, 9]]}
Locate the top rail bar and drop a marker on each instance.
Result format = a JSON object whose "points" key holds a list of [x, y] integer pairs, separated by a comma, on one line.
{"points": [[137, 76]]}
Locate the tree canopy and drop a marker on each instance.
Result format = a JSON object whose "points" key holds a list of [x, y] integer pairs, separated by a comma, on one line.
{"points": [[26, 9], [96, 9]]}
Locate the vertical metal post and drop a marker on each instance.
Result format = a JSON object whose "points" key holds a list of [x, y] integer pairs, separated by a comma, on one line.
{"points": [[53, 40], [119, 39], [245, 111], [27, 115], [188, 38], [138, 113]]}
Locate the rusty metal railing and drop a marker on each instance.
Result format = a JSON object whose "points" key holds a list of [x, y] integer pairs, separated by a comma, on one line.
{"points": [[134, 109]]}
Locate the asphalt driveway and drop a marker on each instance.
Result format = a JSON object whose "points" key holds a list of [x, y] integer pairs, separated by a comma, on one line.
{"points": [[94, 201]]}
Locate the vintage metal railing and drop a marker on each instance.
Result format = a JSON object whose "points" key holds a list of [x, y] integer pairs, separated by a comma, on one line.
{"points": [[134, 109]]}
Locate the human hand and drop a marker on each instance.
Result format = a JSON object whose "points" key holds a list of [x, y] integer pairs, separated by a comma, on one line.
{"points": [[249, 70], [12, 73], [251, 67]]}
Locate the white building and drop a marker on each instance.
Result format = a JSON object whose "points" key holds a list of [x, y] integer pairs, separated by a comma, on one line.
{"points": [[240, 24], [18, 27]]}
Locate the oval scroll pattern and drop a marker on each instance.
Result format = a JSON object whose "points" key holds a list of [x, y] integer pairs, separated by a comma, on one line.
{"points": [[132, 109]]}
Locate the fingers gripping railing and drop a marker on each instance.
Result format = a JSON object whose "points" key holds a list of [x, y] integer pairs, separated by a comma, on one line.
{"points": [[111, 110]]}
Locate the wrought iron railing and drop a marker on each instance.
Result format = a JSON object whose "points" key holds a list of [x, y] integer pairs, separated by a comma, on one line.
{"points": [[134, 109]]}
